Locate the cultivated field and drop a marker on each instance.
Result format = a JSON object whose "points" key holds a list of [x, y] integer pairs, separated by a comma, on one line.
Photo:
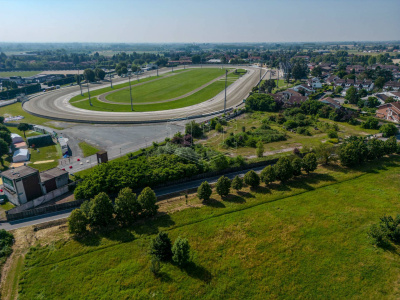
{"points": [[306, 239], [19, 73]]}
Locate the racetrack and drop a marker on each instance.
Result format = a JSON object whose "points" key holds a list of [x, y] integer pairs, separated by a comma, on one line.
{"points": [[55, 105]]}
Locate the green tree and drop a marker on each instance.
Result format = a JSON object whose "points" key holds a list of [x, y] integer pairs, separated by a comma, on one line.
{"points": [[99, 73], [23, 127], [283, 169], [204, 191], [124, 70], [299, 71], [127, 207], [134, 68], [325, 153], [223, 186], [160, 247], [196, 59], [317, 71], [1, 120], [370, 123], [268, 175], [237, 183], [338, 89], [89, 75], [219, 162], [260, 149], [310, 162], [101, 210], [77, 222], [252, 179], [3, 150], [297, 164], [387, 130], [391, 145], [352, 95], [6, 136], [147, 200], [219, 127], [194, 129], [379, 82], [181, 251]]}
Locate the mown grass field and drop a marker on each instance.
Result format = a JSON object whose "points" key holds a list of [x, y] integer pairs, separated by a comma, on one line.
{"points": [[306, 239], [87, 149], [19, 73], [204, 94], [49, 153], [167, 88]]}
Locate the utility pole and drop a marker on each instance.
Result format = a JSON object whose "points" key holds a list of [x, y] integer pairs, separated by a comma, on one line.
{"points": [[90, 101], [111, 80], [259, 83], [80, 84], [130, 91], [157, 71], [277, 82], [226, 79], [172, 68]]}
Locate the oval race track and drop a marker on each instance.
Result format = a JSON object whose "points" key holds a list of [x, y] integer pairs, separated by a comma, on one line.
{"points": [[55, 105]]}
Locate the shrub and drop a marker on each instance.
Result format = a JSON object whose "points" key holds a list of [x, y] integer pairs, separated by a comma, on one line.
{"points": [[155, 266], [237, 183], [6, 241], [181, 251], [260, 149], [370, 123], [310, 162], [297, 164], [268, 174], [219, 127], [388, 130], [160, 247], [147, 200], [77, 222], [204, 191], [223, 186], [283, 169], [332, 134], [252, 179]]}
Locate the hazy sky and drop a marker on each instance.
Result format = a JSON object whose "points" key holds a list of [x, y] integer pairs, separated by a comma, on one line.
{"points": [[198, 20]]}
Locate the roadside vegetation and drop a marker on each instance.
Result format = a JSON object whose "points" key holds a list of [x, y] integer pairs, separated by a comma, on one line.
{"points": [[87, 149]]}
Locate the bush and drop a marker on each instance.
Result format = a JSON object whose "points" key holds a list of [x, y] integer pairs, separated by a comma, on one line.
{"points": [[237, 183], [260, 149], [77, 222], [386, 230], [332, 134], [261, 102], [283, 169], [223, 186], [252, 179], [181, 251], [155, 267], [204, 191], [219, 127], [6, 241], [268, 174], [147, 200], [310, 162], [370, 123], [161, 247]]}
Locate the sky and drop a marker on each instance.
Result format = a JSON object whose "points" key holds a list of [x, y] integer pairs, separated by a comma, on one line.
{"points": [[198, 21]]}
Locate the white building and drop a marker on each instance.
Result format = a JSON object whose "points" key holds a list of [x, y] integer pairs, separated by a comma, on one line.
{"points": [[21, 155], [16, 138]]}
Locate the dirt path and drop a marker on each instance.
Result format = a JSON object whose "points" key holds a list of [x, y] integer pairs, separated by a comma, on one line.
{"points": [[102, 97], [276, 151]]}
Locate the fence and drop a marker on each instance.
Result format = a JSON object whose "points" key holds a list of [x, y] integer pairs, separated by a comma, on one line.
{"points": [[5, 103]]}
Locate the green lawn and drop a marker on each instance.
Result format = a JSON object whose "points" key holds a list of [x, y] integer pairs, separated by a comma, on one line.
{"points": [[16, 110], [47, 153], [306, 239], [19, 73], [205, 94], [87, 149]]}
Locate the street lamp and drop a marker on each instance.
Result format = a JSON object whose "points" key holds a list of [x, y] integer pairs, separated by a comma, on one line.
{"points": [[90, 101], [226, 79]]}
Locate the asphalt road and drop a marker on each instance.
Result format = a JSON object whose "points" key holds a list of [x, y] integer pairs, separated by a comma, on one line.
{"points": [[159, 192], [55, 105]]}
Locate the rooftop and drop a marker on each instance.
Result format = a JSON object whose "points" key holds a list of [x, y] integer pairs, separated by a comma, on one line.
{"points": [[52, 173], [19, 172]]}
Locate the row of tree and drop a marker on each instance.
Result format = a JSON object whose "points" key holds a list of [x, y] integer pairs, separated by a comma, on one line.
{"points": [[282, 171], [100, 212]]}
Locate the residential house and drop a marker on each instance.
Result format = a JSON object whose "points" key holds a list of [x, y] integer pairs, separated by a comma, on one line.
{"points": [[391, 86], [303, 87], [331, 102], [314, 83], [331, 79], [389, 111]]}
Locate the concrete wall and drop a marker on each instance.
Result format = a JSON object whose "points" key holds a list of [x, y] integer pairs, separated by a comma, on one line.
{"points": [[38, 201]]}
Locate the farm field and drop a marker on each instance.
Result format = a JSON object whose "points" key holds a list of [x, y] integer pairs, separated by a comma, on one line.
{"points": [[202, 95], [307, 238]]}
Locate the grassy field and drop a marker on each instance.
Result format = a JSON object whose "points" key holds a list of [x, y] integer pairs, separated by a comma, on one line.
{"points": [[19, 73], [167, 88], [250, 120], [49, 153], [87, 149], [205, 94], [16, 110], [306, 239]]}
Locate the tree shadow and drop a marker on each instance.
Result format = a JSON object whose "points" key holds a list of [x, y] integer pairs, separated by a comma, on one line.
{"points": [[197, 272], [263, 190], [90, 239], [164, 277], [245, 194], [214, 203], [281, 187], [151, 226], [234, 199]]}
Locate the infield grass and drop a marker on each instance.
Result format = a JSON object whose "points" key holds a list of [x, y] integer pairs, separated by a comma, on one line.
{"points": [[305, 239]]}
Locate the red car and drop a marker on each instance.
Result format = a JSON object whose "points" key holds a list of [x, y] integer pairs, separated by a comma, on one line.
{"points": [[70, 167]]}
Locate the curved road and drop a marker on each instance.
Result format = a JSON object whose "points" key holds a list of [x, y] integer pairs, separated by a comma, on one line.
{"points": [[55, 105]]}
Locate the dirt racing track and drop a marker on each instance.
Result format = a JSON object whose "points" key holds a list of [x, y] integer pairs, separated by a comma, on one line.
{"points": [[55, 105]]}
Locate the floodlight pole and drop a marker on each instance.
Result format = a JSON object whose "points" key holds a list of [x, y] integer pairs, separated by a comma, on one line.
{"points": [[130, 92], [90, 101], [172, 68], [111, 80], [80, 84], [259, 83], [226, 79], [157, 71]]}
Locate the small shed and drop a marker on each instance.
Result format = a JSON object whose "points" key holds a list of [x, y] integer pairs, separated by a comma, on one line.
{"points": [[21, 155], [40, 141], [16, 138]]}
